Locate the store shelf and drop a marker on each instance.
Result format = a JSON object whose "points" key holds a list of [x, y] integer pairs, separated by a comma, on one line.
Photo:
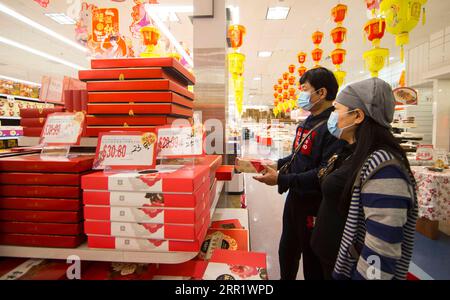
{"points": [[9, 118], [28, 141], [21, 98], [88, 254], [9, 137]]}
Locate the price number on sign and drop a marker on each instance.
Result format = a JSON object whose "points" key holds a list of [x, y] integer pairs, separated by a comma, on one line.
{"points": [[114, 151], [52, 130]]}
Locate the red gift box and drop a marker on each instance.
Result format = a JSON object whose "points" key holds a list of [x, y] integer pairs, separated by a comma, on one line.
{"points": [[94, 131], [120, 120], [183, 179], [228, 239], [34, 163], [138, 109], [33, 122], [65, 179], [192, 269], [148, 231], [130, 74], [32, 131], [44, 204], [225, 173], [41, 228], [139, 85], [40, 191], [68, 100], [76, 94], [227, 224], [117, 271], [198, 199], [35, 240], [84, 100], [168, 63], [151, 245], [139, 97], [40, 216], [39, 112]]}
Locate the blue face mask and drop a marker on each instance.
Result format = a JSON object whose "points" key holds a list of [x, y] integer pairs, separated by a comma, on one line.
{"points": [[304, 99], [333, 124]]}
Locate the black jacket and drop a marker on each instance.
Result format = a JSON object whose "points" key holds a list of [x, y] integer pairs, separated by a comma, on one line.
{"points": [[302, 180]]}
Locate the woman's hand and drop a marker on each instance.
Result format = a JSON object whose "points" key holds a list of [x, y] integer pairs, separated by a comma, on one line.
{"points": [[269, 176]]}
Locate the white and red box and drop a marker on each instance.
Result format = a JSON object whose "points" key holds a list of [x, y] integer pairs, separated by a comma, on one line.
{"points": [[176, 179], [139, 97], [187, 232]]}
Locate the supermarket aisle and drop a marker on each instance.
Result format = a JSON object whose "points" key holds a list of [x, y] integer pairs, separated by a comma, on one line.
{"points": [[265, 208]]}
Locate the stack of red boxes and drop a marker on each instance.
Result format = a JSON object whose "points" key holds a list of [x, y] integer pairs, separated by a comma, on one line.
{"points": [[33, 119], [166, 211], [40, 201], [136, 94]]}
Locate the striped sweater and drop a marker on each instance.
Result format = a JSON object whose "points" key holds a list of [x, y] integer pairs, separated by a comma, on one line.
{"points": [[378, 237]]}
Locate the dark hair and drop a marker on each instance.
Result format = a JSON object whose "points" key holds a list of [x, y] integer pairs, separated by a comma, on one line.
{"points": [[322, 78], [370, 137]]}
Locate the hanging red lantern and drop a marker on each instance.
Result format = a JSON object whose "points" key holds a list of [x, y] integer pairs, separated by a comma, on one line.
{"points": [[375, 30], [285, 95], [275, 95], [317, 38], [280, 98], [280, 90], [292, 69], [338, 56], [338, 13], [301, 57], [292, 79], [317, 55], [338, 35], [302, 70], [285, 76], [291, 92], [280, 81], [285, 85], [275, 87]]}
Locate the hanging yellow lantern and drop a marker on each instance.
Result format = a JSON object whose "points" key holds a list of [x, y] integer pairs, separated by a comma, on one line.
{"points": [[402, 16], [150, 36], [236, 63], [375, 60], [340, 77]]}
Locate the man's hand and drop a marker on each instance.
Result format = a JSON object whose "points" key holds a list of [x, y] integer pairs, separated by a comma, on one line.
{"points": [[269, 176]]}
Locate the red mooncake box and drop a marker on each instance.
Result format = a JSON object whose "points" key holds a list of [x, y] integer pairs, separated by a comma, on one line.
{"points": [[225, 173], [94, 131], [181, 179], [168, 63], [32, 131], [139, 85], [138, 109], [39, 112], [33, 122], [41, 228], [139, 97], [40, 216], [124, 120], [146, 245], [40, 191], [44, 204], [34, 163], [65, 179], [228, 239], [39, 240], [198, 199]]}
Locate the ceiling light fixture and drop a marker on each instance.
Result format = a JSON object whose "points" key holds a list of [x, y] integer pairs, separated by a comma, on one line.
{"points": [[19, 80], [264, 54], [40, 53], [61, 18], [149, 9], [277, 13]]}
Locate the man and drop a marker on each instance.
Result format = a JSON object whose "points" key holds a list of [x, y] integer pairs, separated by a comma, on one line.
{"points": [[319, 89]]}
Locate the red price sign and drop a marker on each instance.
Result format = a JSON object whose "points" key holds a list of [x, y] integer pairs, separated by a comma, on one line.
{"points": [[126, 150], [63, 129]]}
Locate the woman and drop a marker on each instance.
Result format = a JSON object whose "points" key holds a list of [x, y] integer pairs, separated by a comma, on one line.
{"points": [[367, 232]]}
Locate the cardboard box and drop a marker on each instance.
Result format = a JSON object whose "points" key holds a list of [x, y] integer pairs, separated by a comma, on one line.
{"points": [[34, 163], [40, 216], [236, 265], [131, 74], [186, 232], [41, 228], [139, 97], [94, 131], [198, 199], [44, 204], [138, 109], [38, 112], [40, 191], [168, 63], [38, 240], [125, 120], [33, 122], [139, 85], [228, 239], [177, 179], [64, 179]]}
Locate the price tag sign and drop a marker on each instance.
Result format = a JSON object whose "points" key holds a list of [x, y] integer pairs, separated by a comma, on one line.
{"points": [[126, 150], [63, 129], [424, 152], [185, 141]]}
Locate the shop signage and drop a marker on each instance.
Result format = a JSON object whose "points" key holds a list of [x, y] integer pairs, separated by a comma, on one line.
{"points": [[405, 96], [182, 141], [63, 129]]}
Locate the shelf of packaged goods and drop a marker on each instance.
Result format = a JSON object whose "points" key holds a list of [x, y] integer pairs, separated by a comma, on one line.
{"points": [[28, 141], [19, 98], [88, 254]]}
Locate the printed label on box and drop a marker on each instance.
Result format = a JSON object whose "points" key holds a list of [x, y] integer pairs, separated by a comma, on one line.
{"points": [[136, 199], [155, 231], [129, 214], [63, 129], [142, 244]]}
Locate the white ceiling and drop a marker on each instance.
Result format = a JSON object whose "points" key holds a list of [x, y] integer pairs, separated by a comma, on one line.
{"points": [[287, 37]]}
